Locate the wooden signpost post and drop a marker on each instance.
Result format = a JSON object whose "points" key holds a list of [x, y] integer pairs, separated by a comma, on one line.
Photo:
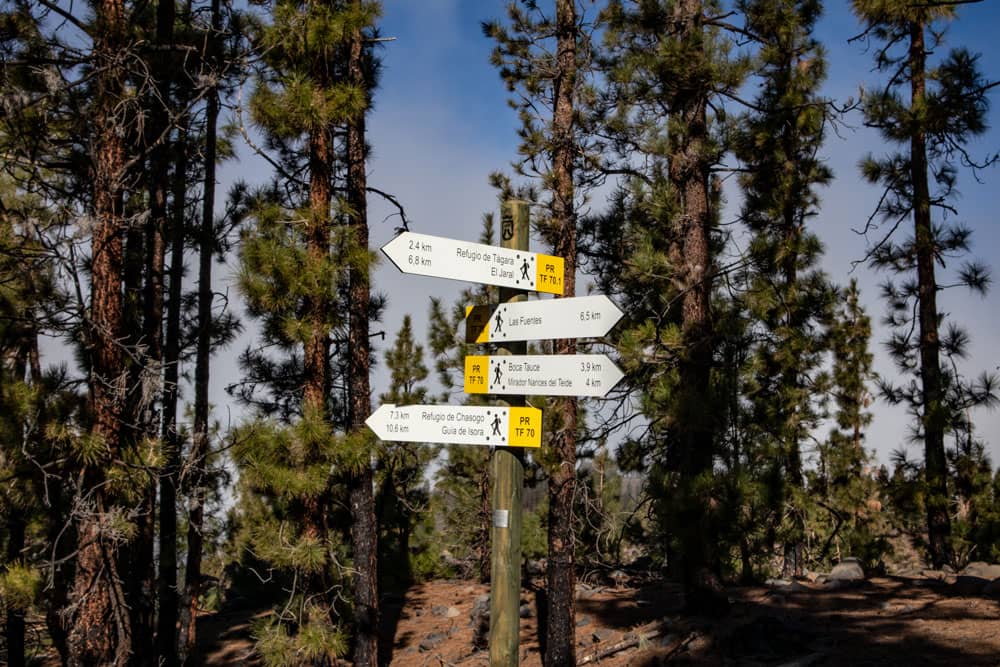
{"points": [[509, 372]]}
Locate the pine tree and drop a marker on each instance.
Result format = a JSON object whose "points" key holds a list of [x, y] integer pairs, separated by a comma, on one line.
{"points": [[666, 57], [402, 466], [194, 479], [25, 279], [842, 484], [99, 625], [295, 262], [787, 296], [930, 113], [364, 531], [544, 59]]}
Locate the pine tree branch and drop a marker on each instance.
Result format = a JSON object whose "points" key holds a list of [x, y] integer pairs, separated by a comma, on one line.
{"points": [[66, 15], [401, 212]]}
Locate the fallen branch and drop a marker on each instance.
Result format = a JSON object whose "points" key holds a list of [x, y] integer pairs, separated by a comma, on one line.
{"points": [[679, 646], [619, 647], [632, 643]]}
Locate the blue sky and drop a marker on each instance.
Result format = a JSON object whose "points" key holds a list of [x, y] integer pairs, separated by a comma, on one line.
{"points": [[441, 124]]}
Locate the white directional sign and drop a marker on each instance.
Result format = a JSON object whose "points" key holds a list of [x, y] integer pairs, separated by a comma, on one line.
{"points": [[541, 375], [575, 317], [475, 262], [492, 426]]}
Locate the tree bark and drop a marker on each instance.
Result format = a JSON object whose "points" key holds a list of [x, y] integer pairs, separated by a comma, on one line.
{"points": [[364, 531], [689, 174], [137, 555], [169, 604], [166, 627], [560, 642], [316, 376], [100, 629], [934, 417]]}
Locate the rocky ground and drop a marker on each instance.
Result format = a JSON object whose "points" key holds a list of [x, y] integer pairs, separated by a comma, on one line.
{"points": [[843, 618]]}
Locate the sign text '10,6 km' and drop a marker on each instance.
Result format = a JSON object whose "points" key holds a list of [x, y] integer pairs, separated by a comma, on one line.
{"points": [[491, 426]]}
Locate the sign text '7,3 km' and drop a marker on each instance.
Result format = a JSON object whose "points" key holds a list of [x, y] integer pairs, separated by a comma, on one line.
{"points": [[491, 426], [441, 257]]}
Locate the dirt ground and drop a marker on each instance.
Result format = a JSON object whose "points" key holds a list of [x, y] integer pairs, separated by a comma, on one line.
{"points": [[883, 621]]}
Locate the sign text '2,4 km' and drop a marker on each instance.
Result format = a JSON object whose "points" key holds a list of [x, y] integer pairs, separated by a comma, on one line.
{"points": [[441, 257]]}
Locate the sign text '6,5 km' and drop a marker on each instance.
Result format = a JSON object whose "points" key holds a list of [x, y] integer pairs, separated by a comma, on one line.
{"points": [[544, 319]]}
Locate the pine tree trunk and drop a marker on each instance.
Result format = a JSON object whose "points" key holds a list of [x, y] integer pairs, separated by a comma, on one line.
{"points": [[167, 625], [100, 628], [936, 466], [560, 642], [137, 555], [63, 544], [690, 252], [315, 358], [199, 437], [364, 531], [166, 632], [790, 380], [317, 349]]}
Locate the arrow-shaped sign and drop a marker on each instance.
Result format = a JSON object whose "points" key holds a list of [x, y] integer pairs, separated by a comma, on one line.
{"points": [[493, 426], [541, 375], [475, 262], [574, 317]]}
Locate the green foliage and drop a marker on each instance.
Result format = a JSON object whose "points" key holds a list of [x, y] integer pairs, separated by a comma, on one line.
{"points": [[20, 586], [846, 517], [607, 522], [303, 89], [534, 533], [976, 528], [317, 642], [930, 108], [787, 298], [402, 502]]}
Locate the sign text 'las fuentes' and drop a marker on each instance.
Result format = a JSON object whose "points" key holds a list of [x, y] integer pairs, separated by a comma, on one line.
{"points": [[492, 426], [574, 317], [440, 257], [541, 375]]}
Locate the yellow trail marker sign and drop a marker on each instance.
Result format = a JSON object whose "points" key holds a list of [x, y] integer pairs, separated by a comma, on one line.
{"points": [[541, 375]]}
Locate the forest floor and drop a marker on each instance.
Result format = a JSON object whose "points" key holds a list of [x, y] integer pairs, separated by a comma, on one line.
{"points": [[932, 619]]}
